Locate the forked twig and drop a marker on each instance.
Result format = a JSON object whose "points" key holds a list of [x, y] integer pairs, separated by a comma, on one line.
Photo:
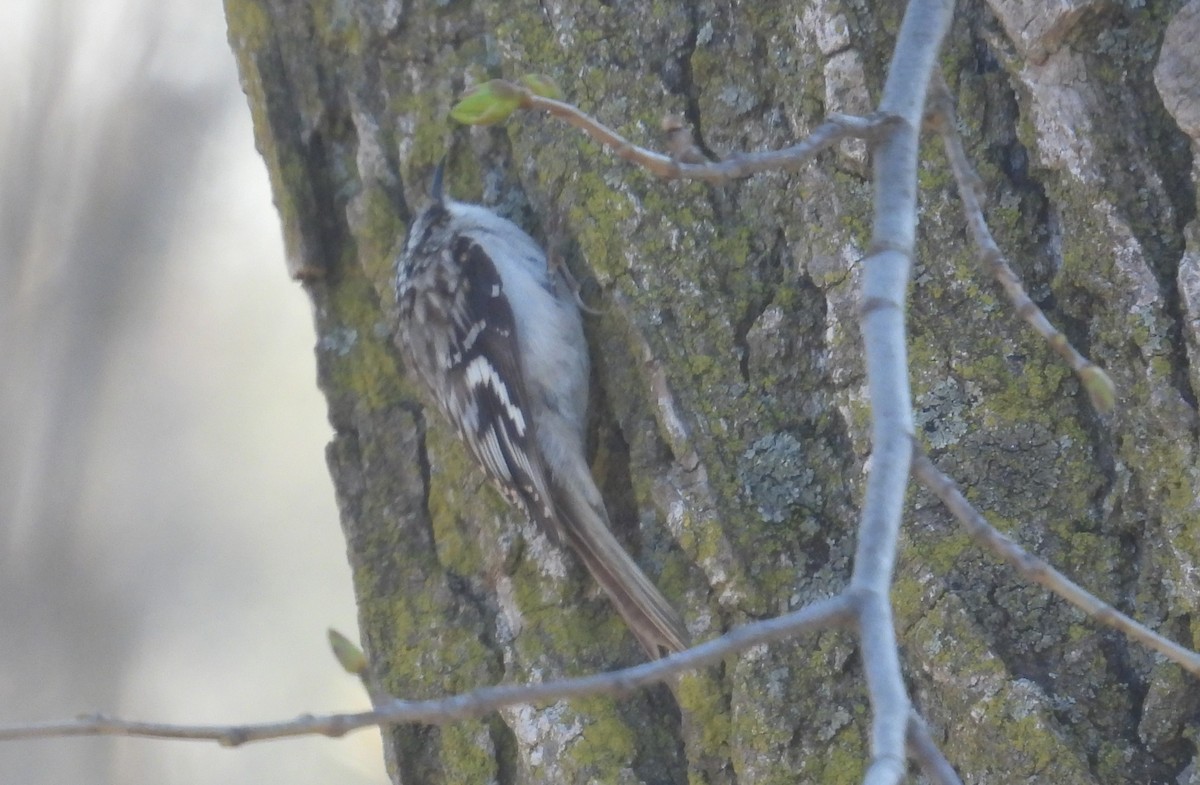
{"points": [[836, 128]]}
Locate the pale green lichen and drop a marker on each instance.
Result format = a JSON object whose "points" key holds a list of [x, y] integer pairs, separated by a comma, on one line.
{"points": [[702, 697], [607, 743], [369, 370]]}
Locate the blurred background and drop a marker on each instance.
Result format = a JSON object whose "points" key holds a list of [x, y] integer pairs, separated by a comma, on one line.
{"points": [[169, 543]]}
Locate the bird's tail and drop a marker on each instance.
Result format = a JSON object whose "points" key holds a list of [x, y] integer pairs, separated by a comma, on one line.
{"points": [[650, 617]]}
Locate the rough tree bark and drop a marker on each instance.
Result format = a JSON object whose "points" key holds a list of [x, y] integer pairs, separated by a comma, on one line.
{"points": [[728, 406]]}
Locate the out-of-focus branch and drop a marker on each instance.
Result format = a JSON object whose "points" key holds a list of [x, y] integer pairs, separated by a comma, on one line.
{"points": [[1038, 571], [832, 612]]}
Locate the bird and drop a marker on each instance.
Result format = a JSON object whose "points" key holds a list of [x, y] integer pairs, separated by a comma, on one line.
{"points": [[495, 338]]}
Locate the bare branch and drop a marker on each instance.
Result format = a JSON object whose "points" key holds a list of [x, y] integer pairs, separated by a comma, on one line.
{"points": [[822, 614], [923, 749], [836, 128], [885, 287], [943, 119], [1038, 571]]}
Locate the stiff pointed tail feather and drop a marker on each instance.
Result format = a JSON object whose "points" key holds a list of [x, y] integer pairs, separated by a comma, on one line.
{"points": [[650, 617]]}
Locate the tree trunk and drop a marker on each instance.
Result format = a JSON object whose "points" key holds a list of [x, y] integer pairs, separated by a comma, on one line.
{"points": [[728, 406]]}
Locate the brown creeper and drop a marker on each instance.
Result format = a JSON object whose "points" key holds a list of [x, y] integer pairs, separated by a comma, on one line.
{"points": [[496, 339]]}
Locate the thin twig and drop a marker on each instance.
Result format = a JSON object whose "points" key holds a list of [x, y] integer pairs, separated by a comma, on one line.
{"points": [[942, 118], [1038, 571], [924, 750], [822, 614], [836, 128]]}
